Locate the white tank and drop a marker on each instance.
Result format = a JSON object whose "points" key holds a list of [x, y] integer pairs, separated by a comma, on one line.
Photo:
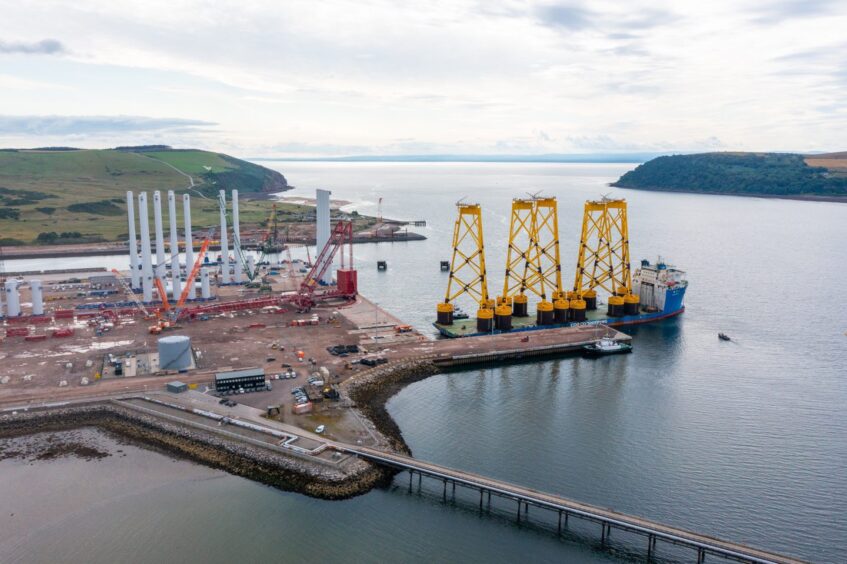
{"points": [[205, 291], [13, 299], [37, 297], [174, 352]]}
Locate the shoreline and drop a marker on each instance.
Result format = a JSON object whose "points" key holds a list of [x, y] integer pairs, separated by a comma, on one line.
{"points": [[370, 392], [57, 252], [798, 197]]}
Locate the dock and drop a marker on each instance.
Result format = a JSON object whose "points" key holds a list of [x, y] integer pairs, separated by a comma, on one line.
{"points": [[565, 508], [516, 346]]}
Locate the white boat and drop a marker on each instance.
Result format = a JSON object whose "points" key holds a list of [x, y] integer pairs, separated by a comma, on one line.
{"points": [[606, 346], [320, 429]]}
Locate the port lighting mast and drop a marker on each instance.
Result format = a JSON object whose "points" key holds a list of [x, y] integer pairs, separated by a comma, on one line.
{"points": [[467, 268]]}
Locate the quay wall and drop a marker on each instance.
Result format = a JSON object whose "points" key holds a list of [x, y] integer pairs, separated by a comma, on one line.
{"points": [[352, 476]]}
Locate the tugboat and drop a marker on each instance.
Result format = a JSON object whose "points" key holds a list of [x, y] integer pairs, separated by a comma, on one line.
{"points": [[605, 347], [723, 337]]}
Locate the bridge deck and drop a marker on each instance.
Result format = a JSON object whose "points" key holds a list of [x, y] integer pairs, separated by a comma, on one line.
{"points": [[557, 503]]}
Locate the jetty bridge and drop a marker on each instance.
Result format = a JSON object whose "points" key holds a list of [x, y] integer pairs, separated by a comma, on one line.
{"points": [[566, 508]]}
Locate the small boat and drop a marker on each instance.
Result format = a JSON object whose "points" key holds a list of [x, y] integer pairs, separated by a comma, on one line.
{"points": [[320, 429], [604, 347], [723, 337], [459, 313]]}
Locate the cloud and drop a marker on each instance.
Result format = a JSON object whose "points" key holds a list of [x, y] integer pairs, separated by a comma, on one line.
{"points": [[568, 16], [87, 125], [776, 12], [43, 47], [575, 17]]}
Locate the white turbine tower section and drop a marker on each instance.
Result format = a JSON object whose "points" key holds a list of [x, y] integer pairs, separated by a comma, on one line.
{"points": [[205, 292], [146, 253], [224, 241], [236, 237], [189, 244], [176, 285], [135, 275], [13, 299], [251, 265], [160, 237], [37, 297], [322, 228]]}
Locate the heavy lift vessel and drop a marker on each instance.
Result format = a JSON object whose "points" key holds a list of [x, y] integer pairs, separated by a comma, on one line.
{"points": [[533, 269]]}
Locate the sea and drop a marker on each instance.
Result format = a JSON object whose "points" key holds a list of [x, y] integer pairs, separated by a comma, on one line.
{"points": [[745, 440]]}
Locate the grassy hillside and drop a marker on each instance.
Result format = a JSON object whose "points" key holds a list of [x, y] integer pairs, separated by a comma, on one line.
{"points": [[761, 174], [81, 193]]}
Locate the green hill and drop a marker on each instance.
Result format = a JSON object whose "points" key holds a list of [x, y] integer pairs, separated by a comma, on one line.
{"points": [[754, 174], [81, 193]]}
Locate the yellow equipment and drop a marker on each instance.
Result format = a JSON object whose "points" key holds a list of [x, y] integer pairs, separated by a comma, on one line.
{"points": [[467, 268], [533, 261], [548, 276], [520, 257], [604, 256]]}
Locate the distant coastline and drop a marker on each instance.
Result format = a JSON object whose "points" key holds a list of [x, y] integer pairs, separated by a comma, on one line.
{"points": [[586, 158], [792, 176], [800, 197]]}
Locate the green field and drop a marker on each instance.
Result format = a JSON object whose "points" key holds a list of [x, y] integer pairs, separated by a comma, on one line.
{"points": [[82, 193]]}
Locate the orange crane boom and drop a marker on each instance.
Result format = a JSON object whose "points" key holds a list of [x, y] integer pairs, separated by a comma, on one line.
{"points": [[163, 295], [194, 271]]}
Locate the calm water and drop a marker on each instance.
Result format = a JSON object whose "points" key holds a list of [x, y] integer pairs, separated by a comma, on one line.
{"points": [[744, 439]]}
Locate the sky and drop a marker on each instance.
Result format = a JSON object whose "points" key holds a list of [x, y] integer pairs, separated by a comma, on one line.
{"points": [[336, 77]]}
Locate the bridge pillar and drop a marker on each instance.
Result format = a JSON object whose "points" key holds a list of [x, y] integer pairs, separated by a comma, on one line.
{"points": [[445, 490], [651, 544], [411, 474], [701, 556], [480, 499], [454, 491]]}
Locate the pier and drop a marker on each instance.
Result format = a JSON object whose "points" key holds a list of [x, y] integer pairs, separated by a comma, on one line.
{"points": [[566, 508]]}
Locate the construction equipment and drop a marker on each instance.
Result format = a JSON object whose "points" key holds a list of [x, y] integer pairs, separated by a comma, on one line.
{"points": [[467, 268], [603, 260], [532, 262], [270, 241], [129, 293], [520, 260], [340, 236]]}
